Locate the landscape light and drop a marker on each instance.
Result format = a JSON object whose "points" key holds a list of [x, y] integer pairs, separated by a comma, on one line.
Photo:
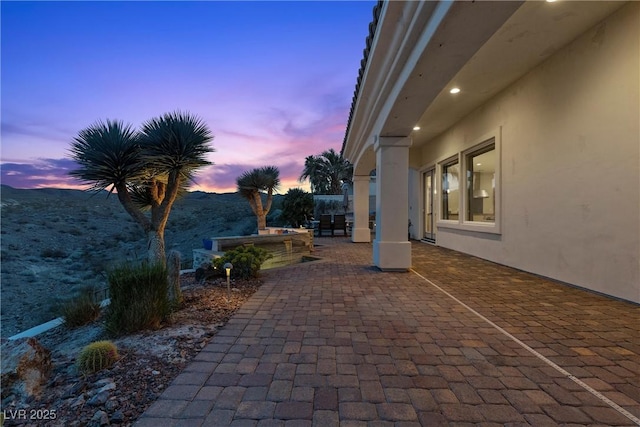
{"points": [[228, 266]]}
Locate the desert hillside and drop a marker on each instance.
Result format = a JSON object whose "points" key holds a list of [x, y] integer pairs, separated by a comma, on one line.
{"points": [[55, 242]]}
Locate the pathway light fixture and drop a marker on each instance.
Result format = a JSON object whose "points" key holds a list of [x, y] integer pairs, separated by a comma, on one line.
{"points": [[227, 267]]}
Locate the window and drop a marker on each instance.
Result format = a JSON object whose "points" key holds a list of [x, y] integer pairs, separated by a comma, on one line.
{"points": [[470, 197], [481, 184], [450, 190]]}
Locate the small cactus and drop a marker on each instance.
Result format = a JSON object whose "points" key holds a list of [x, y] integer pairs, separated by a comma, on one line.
{"points": [[97, 356]]}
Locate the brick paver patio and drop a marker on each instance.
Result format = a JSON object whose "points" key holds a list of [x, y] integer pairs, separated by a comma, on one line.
{"points": [[457, 341]]}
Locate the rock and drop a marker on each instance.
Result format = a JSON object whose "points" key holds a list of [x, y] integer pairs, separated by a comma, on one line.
{"points": [[100, 418], [74, 390], [78, 402], [107, 387], [111, 405], [99, 399], [34, 367], [12, 351], [103, 382], [117, 417]]}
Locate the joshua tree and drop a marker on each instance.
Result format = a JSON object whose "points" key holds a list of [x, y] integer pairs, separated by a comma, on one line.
{"points": [[253, 183], [327, 172], [148, 169]]}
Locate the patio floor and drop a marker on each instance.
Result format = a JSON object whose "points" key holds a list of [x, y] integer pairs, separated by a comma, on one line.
{"points": [[457, 341]]}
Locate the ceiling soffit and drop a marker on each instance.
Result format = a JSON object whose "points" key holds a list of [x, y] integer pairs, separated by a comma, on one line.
{"points": [[532, 34], [439, 56]]}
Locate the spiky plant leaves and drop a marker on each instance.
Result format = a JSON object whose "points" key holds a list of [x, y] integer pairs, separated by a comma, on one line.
{"points": [[108, 154], [149, 169], [260, 179], [252, 183], [176, 142]]}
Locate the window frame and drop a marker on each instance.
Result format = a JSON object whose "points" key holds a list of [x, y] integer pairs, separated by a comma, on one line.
{"points": [[450, 161], [467, 155], [462, 157]]}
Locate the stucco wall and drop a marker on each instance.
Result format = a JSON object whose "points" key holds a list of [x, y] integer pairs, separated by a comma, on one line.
{"points": [[570, 163]]}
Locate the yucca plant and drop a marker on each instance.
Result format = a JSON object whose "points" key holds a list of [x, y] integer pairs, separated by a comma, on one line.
{"points": [[148, 169], [252, 184]]}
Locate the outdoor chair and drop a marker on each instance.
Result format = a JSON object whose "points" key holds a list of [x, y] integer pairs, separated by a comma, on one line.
{"points": [[340, 223], [325, 224]]}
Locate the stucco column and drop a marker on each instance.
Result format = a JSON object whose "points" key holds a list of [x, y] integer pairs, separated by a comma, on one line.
{"points": [[360, 231], [391, 247]]}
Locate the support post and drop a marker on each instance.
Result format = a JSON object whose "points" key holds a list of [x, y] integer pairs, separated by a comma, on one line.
{"points": [[391, 247], [360, 232]]}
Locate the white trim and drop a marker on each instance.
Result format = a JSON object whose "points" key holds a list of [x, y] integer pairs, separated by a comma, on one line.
{"points": [[422, 224]]}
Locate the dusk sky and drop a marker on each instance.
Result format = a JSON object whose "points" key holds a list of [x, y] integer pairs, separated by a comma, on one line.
{"points": [[273, 80]]}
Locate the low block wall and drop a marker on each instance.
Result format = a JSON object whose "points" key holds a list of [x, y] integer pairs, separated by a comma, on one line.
{"points": [[287, 248]]}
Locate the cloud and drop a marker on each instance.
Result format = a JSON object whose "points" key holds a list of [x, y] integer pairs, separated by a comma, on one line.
{"points": [[40, 174], [54, 173], [222, 178]]}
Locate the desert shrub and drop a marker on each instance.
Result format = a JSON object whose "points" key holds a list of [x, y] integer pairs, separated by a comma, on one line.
{"points": [[246, 261], [139, 298], [80, 310], [53, 253], [75, 232], [97, 356]]}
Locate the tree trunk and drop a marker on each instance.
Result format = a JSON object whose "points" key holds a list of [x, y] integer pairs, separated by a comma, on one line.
{"points": [[262, 221], [261, 215], [175, 292], [155, 247]]}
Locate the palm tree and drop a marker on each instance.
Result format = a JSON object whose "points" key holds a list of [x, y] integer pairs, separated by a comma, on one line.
{"points": [[148, 169], [297, 207], [311, 171], [327, 172], [252, 183]]}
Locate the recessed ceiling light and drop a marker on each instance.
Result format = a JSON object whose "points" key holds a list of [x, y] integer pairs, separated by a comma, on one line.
{"points": [[551, 1], [478, 164], [455, 90], [416, 128]]}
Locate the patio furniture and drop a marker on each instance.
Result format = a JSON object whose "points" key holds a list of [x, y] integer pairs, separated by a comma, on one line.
{"points": [[325, 224], [339, 223]]}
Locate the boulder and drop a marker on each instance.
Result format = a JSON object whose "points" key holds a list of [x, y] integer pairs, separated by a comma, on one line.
{"points": [[26, 367]]}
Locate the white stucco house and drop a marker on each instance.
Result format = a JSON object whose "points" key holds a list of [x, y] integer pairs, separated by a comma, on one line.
{"points": [[528, 147]]}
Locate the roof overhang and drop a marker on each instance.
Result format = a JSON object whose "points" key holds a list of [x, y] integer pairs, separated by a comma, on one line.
{"points": [[421, 49]]}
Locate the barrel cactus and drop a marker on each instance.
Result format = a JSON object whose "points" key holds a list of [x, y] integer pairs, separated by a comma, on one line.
{"points": [[97, 356]]}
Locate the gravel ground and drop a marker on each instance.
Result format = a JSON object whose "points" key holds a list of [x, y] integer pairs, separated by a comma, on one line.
{"points": [[149, 361]]}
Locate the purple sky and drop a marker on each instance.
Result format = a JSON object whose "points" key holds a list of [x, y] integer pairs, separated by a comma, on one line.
{"points": [[274, 80]]}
